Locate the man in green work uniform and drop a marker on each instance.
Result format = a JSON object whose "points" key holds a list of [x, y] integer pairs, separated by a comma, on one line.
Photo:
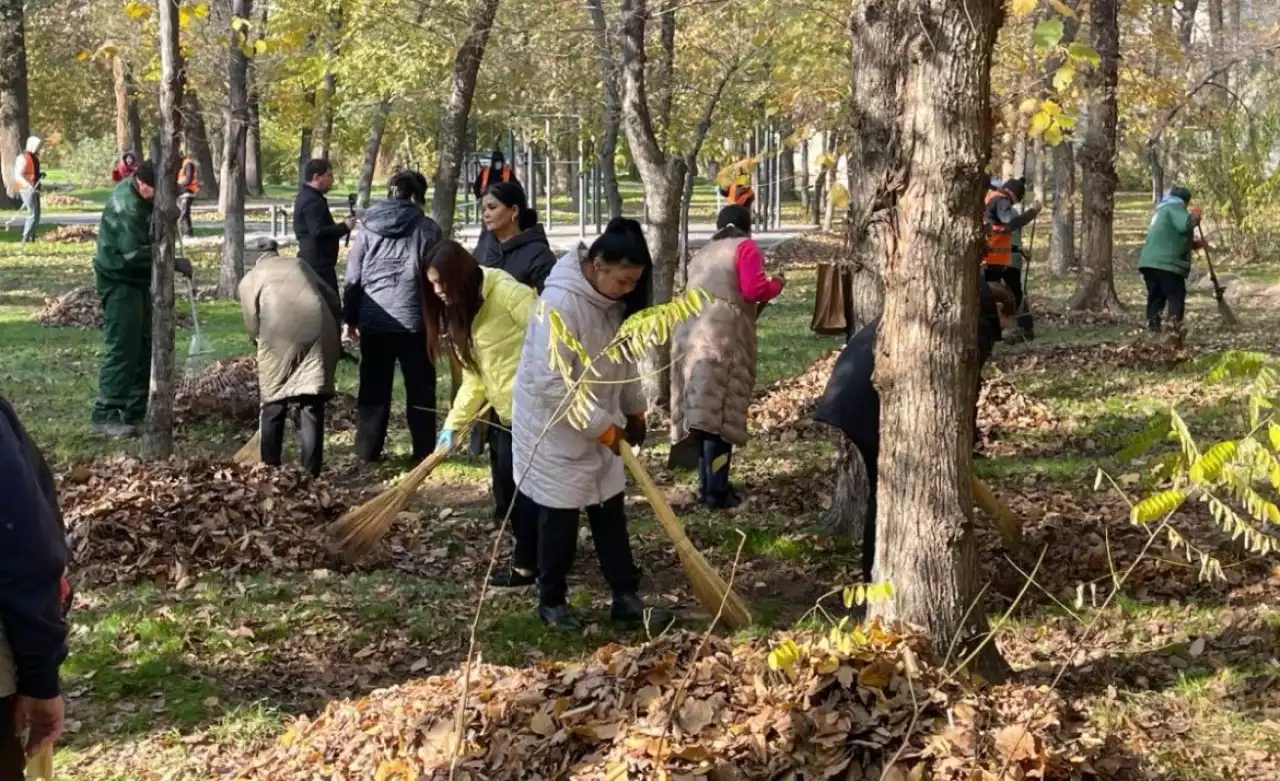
{"points": [[1165, 262], [122, 270]]}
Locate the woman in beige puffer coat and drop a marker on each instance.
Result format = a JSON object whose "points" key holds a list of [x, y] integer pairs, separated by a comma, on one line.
{"points": [[715, 356]]}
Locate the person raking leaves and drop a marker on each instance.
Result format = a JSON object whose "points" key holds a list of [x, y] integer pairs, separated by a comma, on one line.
{"points": [[484, 313], [1004, 256], [34, 598], [292, 315], [851, 401], [122, 271], [715, 355], [1165, 262], [563, 468]]}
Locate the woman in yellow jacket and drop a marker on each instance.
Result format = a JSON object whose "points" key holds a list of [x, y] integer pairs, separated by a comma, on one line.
{"points": [[484, 313]]}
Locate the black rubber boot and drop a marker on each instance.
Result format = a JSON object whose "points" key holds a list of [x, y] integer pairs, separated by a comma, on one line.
{"points": [[560, 617]]}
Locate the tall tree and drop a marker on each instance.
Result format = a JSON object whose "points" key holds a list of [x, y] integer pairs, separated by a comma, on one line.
{"points": [[377, 127], [253, 137], [197, 144], [607, 149], [453, 129], [15, 112], [234, 144], [128, 121], [1062, 243], [1095, 287], [926, 350], [157, 441]]}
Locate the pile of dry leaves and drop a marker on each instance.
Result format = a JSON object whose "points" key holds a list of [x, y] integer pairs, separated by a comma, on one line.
{"points": [[1144, 352], [720, 712], [59, 199], [71, 233], [785, 409], [226, 389], [80, 308], [807, 249], [1002, 407]]}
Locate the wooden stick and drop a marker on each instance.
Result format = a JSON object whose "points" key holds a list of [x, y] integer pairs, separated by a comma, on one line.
{"points": [[1006, 522]]}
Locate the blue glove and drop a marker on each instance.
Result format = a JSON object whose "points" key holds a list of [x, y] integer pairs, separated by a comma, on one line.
{"points": [[445, 440]]}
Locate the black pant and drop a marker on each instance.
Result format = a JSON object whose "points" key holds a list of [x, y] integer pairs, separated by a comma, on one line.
{"points": [[558, 545], [871, 459], [13, 762], [184, 214], [1164, 287], [379, 353], [501, 466], [310, 431], [714, 457], [524, 528]]}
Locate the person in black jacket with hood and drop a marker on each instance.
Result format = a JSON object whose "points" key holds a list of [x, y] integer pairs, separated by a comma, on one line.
{"points": [[318, 235], [33, 629], [513, 239], [851, 402], [382, 308]]}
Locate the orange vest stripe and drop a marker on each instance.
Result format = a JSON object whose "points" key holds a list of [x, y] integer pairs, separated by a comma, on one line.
{"points": [[484, 175], [29, 168], [999, 250], [739, 194], [193, 186]]}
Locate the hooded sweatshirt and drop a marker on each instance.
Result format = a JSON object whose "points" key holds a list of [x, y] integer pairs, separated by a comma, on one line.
{"points": [[384, 268], [527, 256], [558, 464], [1168, 243]]}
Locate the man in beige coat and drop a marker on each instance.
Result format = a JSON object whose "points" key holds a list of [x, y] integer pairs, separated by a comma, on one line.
{"points": [[715, 355], [293, 316]]}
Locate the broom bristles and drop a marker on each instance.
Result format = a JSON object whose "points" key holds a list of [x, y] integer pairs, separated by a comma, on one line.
{"points": [[250, 452], [1225, 312], [362, 527], [709, 588], [1006, 522]]}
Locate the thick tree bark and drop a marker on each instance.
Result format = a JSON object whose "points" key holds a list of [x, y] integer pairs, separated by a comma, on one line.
{"points": [[233, 173], [377, 126], [1095, 287], [607, 149], [926, 353], [1062, 245], [664, 88], [453, 130], [157, 439], [15, 112], [128, 122], [197, 145]]}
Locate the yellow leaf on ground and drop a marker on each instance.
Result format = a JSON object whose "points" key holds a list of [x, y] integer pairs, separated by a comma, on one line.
{"points": [[1022, 7]]}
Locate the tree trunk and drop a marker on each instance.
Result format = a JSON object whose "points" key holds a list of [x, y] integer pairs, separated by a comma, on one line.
{"points": [[1095, 287], [128, 122], [368, 168], [253, 146], [1020, 146], [304, 153], [608, 148], [664, 85], [197, 145], [15, 113], [845, 517], [1187, 23], [1041, 162], [324, 125], [802, 181], [157, 439], [787, 165], [826, 175], [1151, 153], [453, 130], [926, 350], [1062, 244], [233, 173]]}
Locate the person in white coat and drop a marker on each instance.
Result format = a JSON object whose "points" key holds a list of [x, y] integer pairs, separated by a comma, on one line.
{"points": [[562, 468]]}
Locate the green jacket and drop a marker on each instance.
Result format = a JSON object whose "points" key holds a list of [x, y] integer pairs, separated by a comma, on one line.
{"points": [[124, 238], [1168, 244]]}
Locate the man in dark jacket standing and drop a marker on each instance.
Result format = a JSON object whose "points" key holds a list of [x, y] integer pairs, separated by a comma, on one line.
{"points": [[33, 630], [851, 402], [318, 235], [382, 308], [122, 270]]}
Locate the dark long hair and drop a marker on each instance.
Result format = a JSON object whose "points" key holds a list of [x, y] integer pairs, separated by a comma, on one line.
{"points": [[461, 276], [512, 194], [623, 243]]}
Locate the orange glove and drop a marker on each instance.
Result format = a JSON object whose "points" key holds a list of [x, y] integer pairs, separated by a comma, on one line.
{"points": [[611, 437], [1197, 211]]}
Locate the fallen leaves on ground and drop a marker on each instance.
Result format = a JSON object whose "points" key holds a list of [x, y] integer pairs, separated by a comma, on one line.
{"points": [[1003, 408], [81, 308], [626, 712], [71, 234], [808, 249], [60, 199], [785, 409], [1142, 353]]}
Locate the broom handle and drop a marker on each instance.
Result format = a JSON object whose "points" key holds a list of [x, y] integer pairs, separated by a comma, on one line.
{"points": [[1204, 247], [666, 516]]}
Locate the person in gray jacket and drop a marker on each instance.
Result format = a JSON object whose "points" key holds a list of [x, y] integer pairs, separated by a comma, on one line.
{"points": [[382, 303], [292, 315]]}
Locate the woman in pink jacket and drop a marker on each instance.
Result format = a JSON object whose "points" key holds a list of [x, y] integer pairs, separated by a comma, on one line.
{"points": [[715, 356]]}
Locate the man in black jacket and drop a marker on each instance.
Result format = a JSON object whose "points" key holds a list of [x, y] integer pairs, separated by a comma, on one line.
{"points": [[318, 235], [33, 630], [851, 402]]}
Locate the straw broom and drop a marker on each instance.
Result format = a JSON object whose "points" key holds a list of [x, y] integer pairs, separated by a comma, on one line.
{"points": [[250, 452], [40, 764], [1224, 309], [709, 588], [360, 528], [1006, 522]]}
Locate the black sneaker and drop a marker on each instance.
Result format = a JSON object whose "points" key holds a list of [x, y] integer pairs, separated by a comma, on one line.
{"points": [[512, 578], [726, 502], [629, 609], [560, 617]]}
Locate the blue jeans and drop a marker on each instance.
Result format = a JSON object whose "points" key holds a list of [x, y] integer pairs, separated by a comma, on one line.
{"points": [[31, 200]]}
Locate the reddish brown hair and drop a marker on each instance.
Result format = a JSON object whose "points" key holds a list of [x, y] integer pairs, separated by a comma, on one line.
{"points": [[462, 278]]}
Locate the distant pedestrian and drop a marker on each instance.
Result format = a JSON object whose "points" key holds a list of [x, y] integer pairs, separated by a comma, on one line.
{"points": [[188, 188], [26, 185], [33, 599], [382, 309], [493, 172], [293, 317], [318, 235]]}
